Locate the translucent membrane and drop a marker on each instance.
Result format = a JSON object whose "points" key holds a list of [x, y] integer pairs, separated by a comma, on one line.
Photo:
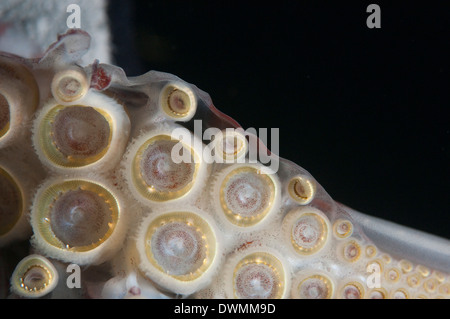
{"points": [[157, 176], [259, 275], [11, 202], [307, 230], [246, 196], [302, 189], [4, 115], [69, 85], [312, 286], [178, 250], [76, 215], [178, 101], [75, 136], [35, 276]]}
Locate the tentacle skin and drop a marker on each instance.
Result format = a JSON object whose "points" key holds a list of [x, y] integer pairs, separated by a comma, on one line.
{"points": [[122, 182]]}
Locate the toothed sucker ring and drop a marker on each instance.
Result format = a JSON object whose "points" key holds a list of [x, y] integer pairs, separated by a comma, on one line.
{"points": [[144, 185]]}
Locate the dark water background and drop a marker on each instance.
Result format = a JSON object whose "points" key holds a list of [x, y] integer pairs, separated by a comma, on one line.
{"points": [[365, 111]]}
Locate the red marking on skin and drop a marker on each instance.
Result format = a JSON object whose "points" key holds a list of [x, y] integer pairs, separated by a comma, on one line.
{"points": [[135, 291], [245, 245], [224, 116], [4, 27], [100, 80], [324, 206]]}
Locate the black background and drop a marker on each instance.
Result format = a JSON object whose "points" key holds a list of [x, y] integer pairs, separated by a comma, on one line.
{"points": [[365, 111]]}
